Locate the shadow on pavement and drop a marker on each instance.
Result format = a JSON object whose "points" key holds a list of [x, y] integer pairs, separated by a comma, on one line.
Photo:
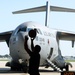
{"points": [[7, 70]]}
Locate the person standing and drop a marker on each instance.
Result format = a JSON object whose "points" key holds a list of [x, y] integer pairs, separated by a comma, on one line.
{"points": [[34, 60]]}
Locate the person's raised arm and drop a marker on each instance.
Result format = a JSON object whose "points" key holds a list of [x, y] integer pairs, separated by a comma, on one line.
{"points": [[26, 46], [32, 35], [32, 44]]}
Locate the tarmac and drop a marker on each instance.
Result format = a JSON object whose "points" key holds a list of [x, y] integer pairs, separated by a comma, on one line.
{"points": [[43, 71]]}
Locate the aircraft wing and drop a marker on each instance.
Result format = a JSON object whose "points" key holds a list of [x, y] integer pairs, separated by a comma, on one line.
{"points": [[5, 36], [66, 35]]}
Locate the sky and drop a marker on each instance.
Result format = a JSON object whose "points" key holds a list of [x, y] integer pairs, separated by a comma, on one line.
{"points": [[58, 20]]}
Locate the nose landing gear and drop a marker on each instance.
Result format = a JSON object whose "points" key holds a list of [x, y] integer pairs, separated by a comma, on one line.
{"points": [[67, 66]]}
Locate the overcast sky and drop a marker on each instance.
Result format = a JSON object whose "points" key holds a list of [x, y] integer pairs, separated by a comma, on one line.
{"points": [[64, 21]]}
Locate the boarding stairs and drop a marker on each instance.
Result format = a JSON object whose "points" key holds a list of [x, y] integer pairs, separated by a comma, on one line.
{"points": [[53, 65]]}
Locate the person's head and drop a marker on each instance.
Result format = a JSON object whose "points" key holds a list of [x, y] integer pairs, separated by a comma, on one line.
{"points": [[37, 49]]}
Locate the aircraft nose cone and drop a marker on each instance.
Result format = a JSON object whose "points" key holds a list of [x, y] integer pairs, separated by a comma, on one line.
{"points": [[32, 33]]}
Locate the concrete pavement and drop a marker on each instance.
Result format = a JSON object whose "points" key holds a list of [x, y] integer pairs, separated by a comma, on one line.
{"points": [[43, 71]]}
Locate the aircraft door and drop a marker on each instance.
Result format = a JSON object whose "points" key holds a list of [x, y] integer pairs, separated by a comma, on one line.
{"points": [[52, 48], [50, 54]]}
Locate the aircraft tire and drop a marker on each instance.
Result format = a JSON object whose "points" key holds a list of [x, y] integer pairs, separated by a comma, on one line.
{"points": [[15, 69], [25, 70]]}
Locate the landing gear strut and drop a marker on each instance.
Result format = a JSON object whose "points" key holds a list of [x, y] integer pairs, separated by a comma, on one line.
{"points": [[67, 66]]}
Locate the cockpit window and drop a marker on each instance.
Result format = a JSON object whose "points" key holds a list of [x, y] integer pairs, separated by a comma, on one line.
{"points": [[39, 31], [22, 29], [28, 29]]}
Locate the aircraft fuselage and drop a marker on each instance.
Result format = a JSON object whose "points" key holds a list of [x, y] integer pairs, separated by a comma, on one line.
{"points": [[46, 38]]}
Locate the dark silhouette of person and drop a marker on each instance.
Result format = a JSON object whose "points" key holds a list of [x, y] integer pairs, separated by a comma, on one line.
{"points": [[34, 60]]}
